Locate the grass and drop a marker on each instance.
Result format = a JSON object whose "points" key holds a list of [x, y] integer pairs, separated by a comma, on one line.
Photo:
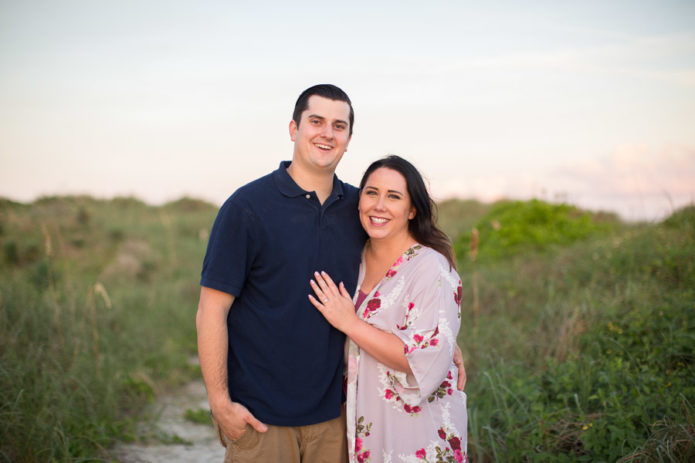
{"points": [[584, 352], [198, 416], [582, 348], [97, 301]]}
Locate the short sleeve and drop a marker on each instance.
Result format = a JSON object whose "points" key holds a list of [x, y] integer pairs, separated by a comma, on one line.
{"points": [[429, 332], [231, 249]]}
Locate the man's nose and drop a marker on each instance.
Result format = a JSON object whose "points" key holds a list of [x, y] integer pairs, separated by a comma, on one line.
{"points": [[327, 131]]}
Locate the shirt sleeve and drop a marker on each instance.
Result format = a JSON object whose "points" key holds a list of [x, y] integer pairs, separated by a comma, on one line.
{"points": [[231, 249], [429, 333]]}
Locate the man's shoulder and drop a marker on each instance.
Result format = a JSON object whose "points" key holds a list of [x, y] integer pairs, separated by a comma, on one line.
{"points": [[350, 191], [347, 187], [262, 185]]}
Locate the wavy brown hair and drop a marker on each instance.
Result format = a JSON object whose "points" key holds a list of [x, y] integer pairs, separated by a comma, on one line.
{"points": [[422, 227]]}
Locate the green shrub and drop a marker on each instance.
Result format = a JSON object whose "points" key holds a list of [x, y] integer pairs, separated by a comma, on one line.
{"points": [[11, 252], [513, 227], [198, 416]]}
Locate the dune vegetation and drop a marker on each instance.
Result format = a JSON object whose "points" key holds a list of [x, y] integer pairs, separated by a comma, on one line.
{"points": [[580, 335], [97, 307], [578, 330]]}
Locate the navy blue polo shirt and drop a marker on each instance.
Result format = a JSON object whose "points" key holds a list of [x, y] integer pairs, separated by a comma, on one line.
{"points": [[285, 361]]}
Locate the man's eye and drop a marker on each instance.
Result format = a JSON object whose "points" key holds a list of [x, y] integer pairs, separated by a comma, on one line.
{"points": [[340, 126]]}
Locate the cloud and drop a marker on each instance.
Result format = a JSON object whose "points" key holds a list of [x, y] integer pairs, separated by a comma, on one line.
{"points": [[634, 170], [638, 182]]}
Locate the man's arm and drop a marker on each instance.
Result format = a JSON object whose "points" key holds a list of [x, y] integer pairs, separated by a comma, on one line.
{"points": [[213, 344], [458, 361]]}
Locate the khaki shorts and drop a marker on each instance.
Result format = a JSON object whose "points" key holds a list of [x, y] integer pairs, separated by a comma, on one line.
{"points": [[324, 442]]}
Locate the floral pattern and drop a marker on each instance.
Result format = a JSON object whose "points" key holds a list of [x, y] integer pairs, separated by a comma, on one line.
{"points": [[425, 415], [407, 322], [362, 431], [394, 393], [373, 305], [422, 342], [452, 452], [444, 389]]}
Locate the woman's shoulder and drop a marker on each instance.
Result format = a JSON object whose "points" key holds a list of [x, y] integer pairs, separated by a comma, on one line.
{"points": [[428, 256], [431, 261], [430, 273]]}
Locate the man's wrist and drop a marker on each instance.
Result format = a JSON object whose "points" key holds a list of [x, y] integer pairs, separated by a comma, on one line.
{"points": [[219, 400]]}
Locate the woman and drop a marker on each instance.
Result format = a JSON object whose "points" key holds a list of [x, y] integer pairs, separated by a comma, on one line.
{"points": [[402, 403]]}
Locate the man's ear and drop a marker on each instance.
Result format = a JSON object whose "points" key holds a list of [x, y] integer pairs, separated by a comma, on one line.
{"points": [[293, 129]]}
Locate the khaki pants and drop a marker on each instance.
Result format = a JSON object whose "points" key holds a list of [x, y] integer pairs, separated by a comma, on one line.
{"points": [[324, 442]]}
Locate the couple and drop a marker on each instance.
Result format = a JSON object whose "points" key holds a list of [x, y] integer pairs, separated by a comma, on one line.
{"points": [[286, 254]]}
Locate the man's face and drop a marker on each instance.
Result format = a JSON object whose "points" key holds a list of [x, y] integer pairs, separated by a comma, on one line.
{"points": [[322, 135]]}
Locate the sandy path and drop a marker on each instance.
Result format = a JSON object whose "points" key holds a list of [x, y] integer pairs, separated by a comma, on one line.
{"points": [[204, 445]]}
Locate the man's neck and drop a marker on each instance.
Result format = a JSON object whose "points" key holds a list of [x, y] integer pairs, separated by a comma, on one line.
{"points": [[320, 182]]}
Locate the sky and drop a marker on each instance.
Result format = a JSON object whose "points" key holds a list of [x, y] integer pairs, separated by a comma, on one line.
{"points": [[590, 102]]}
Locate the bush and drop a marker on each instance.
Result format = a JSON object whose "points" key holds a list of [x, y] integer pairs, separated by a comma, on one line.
{"points": [[513, 227]]}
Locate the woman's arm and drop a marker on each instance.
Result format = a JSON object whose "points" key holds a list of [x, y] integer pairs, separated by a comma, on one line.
{"points": [[336, 306]]}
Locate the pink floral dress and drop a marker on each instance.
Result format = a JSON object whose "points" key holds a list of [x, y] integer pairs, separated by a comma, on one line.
{"points": [[420, 417]]}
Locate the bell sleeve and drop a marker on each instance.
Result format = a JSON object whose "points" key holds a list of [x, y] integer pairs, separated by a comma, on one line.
{"points": [[429, 330]]}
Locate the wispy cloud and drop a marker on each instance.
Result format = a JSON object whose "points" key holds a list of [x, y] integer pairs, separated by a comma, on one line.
{"points": [[635, 170], [637, 181]]}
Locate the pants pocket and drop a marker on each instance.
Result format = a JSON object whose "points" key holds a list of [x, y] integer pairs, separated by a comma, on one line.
{"points": [[248, 439]]}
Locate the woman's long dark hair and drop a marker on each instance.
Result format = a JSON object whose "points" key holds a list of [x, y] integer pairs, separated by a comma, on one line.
{"points": [[422, 227]]}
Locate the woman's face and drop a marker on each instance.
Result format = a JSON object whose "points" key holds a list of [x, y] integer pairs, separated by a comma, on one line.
{"points": [[385, 206]]}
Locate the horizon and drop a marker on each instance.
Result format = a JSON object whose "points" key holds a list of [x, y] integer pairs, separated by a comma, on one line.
{"points": [[439, 202]]}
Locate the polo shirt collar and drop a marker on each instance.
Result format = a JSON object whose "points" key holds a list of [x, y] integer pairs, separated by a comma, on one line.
{"points": [[288, 187]]}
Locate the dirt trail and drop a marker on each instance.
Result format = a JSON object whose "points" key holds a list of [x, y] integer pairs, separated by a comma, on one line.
{"points": [[204, 445]]}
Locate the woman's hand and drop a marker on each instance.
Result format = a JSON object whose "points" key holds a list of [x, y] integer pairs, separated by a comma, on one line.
{"points": [[334, 303]]}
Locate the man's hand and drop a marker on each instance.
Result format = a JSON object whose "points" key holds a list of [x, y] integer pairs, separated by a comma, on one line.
{"points": [[458, 361], [232, 419], [211, 323]]}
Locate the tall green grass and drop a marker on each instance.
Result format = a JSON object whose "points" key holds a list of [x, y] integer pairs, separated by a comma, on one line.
{"points": [[97, 301], [583, 352]]}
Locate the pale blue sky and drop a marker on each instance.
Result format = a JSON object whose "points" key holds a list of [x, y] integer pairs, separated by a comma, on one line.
{"points": [[589, 101]]}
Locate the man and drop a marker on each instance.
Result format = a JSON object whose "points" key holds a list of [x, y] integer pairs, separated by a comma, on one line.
{"points": [[272, 365]]}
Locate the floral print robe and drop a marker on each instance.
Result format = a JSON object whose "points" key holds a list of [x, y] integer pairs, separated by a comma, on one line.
{"points": [[420, 417]]}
